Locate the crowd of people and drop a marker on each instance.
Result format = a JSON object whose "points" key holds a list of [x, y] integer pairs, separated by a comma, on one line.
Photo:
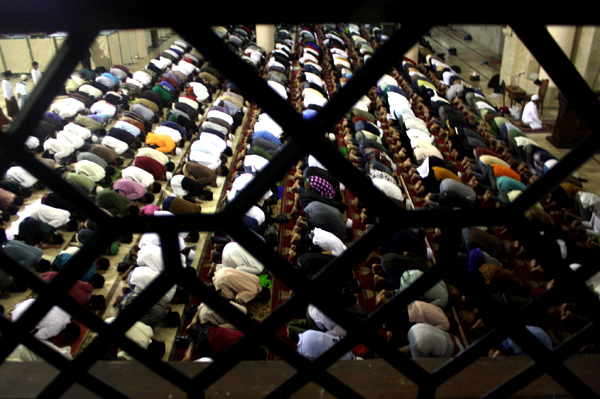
{"points": [[424, 136]]}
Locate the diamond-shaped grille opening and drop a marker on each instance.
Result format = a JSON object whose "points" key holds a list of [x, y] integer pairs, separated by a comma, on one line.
{"points": [[307, 291]]}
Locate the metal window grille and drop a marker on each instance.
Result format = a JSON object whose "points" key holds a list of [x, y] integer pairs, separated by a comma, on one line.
{"points": [[83, 21]]}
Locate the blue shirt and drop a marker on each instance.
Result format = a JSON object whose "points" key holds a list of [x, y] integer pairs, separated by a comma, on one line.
{"points": [[62, 259], [176, 126], [128, 127], [267, 136]]}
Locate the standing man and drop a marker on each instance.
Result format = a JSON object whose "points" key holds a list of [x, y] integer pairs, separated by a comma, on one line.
{"points": [[36, 75], [530, 114], [12, 108], [22, 91]]}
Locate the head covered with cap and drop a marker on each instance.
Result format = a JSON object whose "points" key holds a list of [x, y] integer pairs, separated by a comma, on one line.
{"points": [[321, 186]]}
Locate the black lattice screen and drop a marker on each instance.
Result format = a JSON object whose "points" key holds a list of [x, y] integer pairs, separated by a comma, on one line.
{"points": [[307, 137]]}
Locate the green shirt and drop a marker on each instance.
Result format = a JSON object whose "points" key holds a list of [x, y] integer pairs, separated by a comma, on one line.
{"points": [[80, 180], [113, 202]]}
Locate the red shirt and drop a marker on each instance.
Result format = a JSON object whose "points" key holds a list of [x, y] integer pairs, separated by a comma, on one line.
{"points": [[222, 339], [152, 166], [81, 291]]}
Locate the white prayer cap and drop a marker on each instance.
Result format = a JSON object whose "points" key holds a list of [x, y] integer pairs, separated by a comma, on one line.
{"points": [[24, 77], [168, 175], [191, 255], [349, 223], [32, 142], [429, 254], [535, 97], [575, 266], [331, 136], [94, 138], [220, 181], [178, 151], [99, 188]]}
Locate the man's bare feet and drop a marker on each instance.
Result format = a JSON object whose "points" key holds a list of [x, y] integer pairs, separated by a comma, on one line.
{"points": [[478, 324], [488, 195], [296, 238], [382, 297], [212, 270], [296, 187], [376, 268]]}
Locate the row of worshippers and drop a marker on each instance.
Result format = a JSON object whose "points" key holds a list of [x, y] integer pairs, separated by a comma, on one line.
{"points": [[136, 181], [475, 129], [206, 163], [235, 273], [429, 336]]}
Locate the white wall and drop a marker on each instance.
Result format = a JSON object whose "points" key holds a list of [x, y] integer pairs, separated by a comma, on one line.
{"points": [[488, 35]]}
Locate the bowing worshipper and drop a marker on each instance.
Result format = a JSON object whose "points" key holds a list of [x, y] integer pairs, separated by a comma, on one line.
{"points": [[178, 205], [320, 241], [152, 256], [156, 155], [91, 275], [62, 151], [237, 257], [159, 314], [33, 231], [138, 279], [162, 143], [509, 348], [88, 156], [430, 174], [116, 204], [81, 291], [200, 173], [210, 341], [123, 133], [476, 238], [453, 194], [119, 146], [398, 271], [174, 130], [25, 255], [94, 171], [143, 177], [9, 202], [80, 182], [189, 188], [55, 322], [133, 191], [416, 312], [425, 340], [204, 314], [142, 334], [315, 320], [108, 155], [313, 343], [239, 286], [55, 217], [152, 166]]}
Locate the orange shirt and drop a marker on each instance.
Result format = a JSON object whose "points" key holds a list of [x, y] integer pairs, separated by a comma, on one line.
{"points": [[443, 173], [500, 170], [165, 143]]}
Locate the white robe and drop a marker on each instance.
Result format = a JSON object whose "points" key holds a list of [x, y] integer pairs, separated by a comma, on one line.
{"points": [[235, 256], [530, 116]]}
